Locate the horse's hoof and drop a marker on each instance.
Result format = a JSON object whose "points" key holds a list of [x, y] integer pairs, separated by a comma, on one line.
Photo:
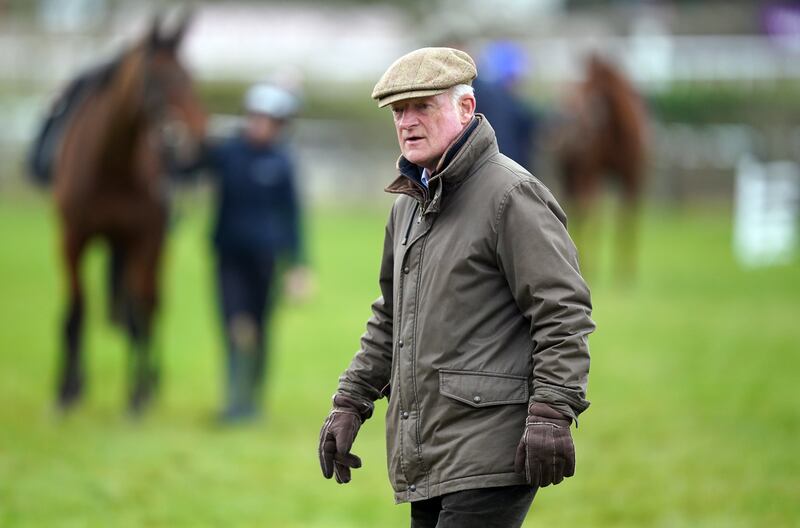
{"points": [[142, 395], [65, 405], [69, 394], [139, 401], [155, 381]]}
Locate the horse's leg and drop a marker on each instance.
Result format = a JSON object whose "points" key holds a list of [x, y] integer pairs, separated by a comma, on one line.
{"points": [[71, 380], [141, 270], [116, 290], [628, 224], [583, 192]]}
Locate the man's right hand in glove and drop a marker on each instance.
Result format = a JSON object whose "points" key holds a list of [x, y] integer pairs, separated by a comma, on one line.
{"points": [[545, 454], [337, 436]]}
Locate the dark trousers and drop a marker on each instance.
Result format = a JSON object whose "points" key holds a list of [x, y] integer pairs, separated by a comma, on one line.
{"points": [[244, 281], [504, 507]]}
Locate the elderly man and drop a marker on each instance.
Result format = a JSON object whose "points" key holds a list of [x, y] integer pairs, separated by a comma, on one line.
{"points": [[479, 337]]}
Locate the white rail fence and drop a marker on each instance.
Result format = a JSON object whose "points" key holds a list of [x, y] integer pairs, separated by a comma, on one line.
{"points": [[767, 210]]}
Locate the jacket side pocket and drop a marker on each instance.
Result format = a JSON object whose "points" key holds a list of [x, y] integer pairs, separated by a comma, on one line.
{"points": [[483, 389]]}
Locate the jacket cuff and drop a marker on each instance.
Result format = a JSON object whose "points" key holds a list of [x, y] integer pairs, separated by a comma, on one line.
{"points": [[362, 406], [563, 401], [358, 390]]}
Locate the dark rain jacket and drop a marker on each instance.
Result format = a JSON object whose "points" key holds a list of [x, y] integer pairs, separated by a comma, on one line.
{"points": [[482, 310]]}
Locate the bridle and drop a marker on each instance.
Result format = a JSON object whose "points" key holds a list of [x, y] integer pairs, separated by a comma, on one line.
{"points": [[177, 148]]}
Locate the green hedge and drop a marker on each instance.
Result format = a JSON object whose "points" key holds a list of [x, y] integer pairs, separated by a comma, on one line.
{"points": [[351, 101], [757, 103]]}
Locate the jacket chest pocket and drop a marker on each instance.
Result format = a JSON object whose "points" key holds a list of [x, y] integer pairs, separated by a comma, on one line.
{"points": [[483, 389]]}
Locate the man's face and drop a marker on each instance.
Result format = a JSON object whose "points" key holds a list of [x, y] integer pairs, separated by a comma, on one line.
{"points": [[261, 129], [427, 125]]}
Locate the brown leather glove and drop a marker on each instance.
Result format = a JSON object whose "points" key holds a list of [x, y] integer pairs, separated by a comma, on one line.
{"points": [[545, 454], [337, 436]]}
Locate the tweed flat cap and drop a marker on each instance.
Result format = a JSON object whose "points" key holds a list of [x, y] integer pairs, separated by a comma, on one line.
{"points": [[424, 72]]}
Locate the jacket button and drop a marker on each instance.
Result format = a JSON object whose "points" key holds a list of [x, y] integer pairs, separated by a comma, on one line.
{"points": [[405, 415], [400, 343], [406, 269], [476, 399], [412, 488]]}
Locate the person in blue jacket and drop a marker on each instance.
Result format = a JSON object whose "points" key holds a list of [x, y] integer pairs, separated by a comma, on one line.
{"points": [[503, 64], [257, 228]]}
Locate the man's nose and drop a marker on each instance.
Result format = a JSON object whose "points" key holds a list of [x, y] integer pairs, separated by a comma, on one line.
{"points": [[408, 119]]}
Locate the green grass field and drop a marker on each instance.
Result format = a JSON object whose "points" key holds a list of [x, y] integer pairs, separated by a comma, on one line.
{"points": [[695, 417]]}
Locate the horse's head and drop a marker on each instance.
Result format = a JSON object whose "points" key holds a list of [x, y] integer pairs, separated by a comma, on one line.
{"points": [[602, 75], [156, 89], [170, 95], [168, 85], [583, 110], [597, 67]]}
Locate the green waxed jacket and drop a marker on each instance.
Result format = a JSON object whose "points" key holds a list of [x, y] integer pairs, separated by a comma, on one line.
{"points": [[482, 310]]}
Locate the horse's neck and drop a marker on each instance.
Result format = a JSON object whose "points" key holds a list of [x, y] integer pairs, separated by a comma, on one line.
{"points": [[125, 122], [122, 130], [625, 109], [591, 109]]}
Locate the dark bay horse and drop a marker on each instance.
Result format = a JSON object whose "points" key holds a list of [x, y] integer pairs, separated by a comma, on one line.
{"points": [[109, 184], [602, 138]]}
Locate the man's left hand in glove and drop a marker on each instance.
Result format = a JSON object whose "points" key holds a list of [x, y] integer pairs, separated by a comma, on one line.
{"points": [[337, 436]]}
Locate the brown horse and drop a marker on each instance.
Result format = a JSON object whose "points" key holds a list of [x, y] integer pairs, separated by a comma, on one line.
{"points": [[603, 137], [109, 184]]}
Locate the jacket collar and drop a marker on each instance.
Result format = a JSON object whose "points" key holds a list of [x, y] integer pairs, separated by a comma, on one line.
{"points": [[458, 163]]}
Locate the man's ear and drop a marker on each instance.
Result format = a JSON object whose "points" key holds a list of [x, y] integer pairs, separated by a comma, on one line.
{"points": [[467, 107]]}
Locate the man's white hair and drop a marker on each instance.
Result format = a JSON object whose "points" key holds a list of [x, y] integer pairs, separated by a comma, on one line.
{"points": [[460, 90]]}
